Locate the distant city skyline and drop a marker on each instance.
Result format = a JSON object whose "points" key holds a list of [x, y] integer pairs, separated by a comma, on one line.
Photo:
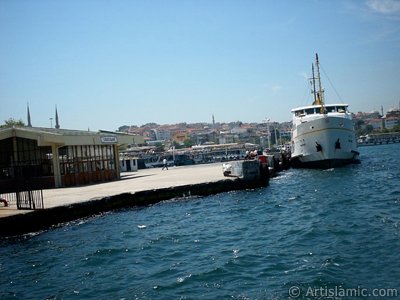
{"points": [[210, 122], [107, 64]]}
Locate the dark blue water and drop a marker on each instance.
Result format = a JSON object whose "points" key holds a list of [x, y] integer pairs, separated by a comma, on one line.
{"points": [[311, 231]]}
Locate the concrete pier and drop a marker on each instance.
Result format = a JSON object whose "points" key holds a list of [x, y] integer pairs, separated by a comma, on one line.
{"points": [[140, 188]]}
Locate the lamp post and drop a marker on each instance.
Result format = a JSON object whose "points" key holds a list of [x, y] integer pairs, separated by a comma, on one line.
{"points": [[268, 133], [51, 122]]}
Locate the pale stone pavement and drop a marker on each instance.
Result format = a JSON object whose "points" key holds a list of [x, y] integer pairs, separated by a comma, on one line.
{"points": [[148, 179]]}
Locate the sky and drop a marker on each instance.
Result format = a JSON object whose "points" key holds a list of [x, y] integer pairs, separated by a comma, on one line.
{"points": [[105, 64]]}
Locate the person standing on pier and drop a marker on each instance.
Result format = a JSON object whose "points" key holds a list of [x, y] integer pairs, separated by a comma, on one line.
{"points": [[165, 164]]}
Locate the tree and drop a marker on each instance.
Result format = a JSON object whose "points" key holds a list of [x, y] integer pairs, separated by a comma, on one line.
{"points": [[12, 122], [159, 147], [369, 129], [396, 128], [359, 124], [385, 130], [177, 145], [188, 143]]}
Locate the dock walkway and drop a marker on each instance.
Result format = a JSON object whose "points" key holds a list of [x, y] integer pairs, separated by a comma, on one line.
{"points": [[132, 182], [144, 187]]}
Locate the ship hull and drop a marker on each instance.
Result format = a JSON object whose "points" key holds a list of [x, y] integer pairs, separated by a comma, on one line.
{"points": [[323, 164], [323, 142]]}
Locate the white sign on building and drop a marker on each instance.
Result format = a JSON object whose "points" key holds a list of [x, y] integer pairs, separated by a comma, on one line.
{"points": [[109, 139]]}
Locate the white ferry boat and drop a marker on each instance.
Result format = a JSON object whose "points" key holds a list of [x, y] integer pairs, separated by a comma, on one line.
{"points": [[323, 135]]}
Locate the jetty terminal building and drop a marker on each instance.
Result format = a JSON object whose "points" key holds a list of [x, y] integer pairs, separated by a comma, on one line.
{"points": [[54, 157]]}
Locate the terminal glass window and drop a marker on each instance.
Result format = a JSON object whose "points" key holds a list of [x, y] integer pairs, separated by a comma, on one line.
{"points": [[86, 158], [84, 164], [23, 158]]}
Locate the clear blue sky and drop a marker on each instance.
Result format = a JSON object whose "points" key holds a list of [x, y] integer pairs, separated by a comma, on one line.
{"points": [[112, 63]]}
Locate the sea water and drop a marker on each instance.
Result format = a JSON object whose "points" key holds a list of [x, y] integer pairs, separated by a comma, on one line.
{"points": [[311, 234]]}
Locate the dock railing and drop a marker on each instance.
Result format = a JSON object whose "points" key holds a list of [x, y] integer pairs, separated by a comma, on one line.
{"points": [[26, 196]]}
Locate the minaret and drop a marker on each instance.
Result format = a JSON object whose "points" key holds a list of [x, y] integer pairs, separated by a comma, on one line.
{"points": [[213, 131], [213, 120], [57, 124], [29, 116]]}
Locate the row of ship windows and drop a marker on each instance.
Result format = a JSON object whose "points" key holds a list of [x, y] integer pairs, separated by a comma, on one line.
{"points": [[329, 109]]}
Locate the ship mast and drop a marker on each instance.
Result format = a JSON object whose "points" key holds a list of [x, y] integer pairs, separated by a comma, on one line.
{"points": [[314, 92], [320, 94]]}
